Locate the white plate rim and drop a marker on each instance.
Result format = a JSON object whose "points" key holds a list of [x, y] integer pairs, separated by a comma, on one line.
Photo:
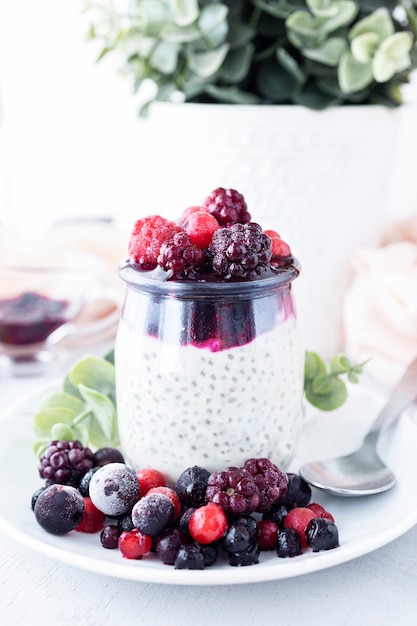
{"points": [[270, 567]]}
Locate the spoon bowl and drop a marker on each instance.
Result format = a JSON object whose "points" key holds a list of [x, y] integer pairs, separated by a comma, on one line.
{"points": [[363, 472]]}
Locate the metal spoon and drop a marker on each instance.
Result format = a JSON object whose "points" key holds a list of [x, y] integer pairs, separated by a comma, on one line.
{"points": [[363, 473]]}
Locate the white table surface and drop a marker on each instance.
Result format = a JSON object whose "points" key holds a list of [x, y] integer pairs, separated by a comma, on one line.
{"points": [[378, 588]]}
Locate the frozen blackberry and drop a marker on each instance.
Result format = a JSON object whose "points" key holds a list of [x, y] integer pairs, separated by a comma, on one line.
{"points": [[148, 235], [189, 556], [187, 477], [234, 489], [59, 509], [298, 492], [270, 480], [228, 206], [288, 543], [109, 536], [65, 463], [241, 251], [152, 514], [180, 256], [322, 534]]}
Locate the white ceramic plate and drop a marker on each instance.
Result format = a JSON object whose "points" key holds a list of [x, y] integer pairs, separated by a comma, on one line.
{"points": [[365, 524]]}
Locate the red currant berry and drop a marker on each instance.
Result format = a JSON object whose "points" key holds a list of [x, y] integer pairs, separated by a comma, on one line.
{"points": [[272, 234], [92, 520], [298, 520], [172, 495], [200, 227], [208, 523], [191, 209], [133, 544], [148, 479], [320, 511], [267, 538]]}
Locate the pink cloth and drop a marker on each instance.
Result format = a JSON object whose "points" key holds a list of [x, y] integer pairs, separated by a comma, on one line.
{"points": [[380, 306]]}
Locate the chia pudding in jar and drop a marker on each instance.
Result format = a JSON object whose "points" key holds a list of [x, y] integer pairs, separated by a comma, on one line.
{"points": [[209, 365]]}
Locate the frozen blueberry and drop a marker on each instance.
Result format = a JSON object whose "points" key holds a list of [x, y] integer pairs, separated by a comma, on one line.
{"points": [[114, 489], [152, 514], [322, 534], [59, 509]]}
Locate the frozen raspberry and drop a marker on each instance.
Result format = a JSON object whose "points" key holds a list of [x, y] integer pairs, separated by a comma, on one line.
{"points": [[180, 256], [298, 520], [241, 251], [148, 235], [200, 227], [228, 206], [65, 463], [270, 480], [235, 490]]}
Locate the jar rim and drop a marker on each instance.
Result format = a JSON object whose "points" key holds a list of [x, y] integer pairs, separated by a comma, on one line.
{"points": [[156, 282]]}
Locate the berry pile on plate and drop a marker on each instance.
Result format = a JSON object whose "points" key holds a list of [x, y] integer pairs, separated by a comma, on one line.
{"points": [[233, 514], [216, 239]]}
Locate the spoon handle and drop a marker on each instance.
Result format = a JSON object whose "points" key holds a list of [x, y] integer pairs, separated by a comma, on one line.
{"points": [[402, 395]]}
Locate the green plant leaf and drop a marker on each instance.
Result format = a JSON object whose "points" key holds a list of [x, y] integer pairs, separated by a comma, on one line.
{"points": [[392, 56], [347, 11], [330, 401], [175, 34], [329, 52], [275, 83], [231, 95], [237, 63], [46, 418], [103, 419], [378, 22], [62, 400], [211, 16], [353, 76], [313, 366], [305, 30], [164, 57], [363, 47], [206, 64], [340, 363], [94, 372], [290, 65], [185, 11]]}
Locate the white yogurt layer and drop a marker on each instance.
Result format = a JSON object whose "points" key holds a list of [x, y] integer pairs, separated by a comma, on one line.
{"points": [[180, 405]]}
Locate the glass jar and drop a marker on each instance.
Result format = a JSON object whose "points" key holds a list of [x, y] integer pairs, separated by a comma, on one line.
{"points": [[208, 373]]}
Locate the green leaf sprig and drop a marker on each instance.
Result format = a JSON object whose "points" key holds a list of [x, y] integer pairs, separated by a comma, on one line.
{"points": [[84, 409], [323, 385]]}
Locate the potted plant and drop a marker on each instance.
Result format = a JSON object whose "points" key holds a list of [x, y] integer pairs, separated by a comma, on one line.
{"points": [[295, 103], [316, 53]]}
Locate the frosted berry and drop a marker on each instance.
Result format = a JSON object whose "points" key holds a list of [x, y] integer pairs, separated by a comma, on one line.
{"points": [[320, 511], [148, 478], [153, 513], [92, 520], [172, 495], [187, 477], [228, 206], [279, 248], [235, 490], [241, 251], [59, 509], [134, 544], [277, 514], [322, 534], [35, 496], [190, 210], [207, 523], [114, 489], [270, 480], [298, 520], [109, 536], [84, 486], [148, 235], [200, 227], [180, 256], [65, 462], [288, 543]]}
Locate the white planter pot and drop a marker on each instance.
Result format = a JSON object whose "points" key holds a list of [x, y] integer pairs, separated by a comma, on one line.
{"points": [[320, 179]]}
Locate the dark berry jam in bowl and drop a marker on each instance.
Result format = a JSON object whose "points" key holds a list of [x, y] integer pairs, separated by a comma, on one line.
{"points": [[208, 370], [41, 292]]}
